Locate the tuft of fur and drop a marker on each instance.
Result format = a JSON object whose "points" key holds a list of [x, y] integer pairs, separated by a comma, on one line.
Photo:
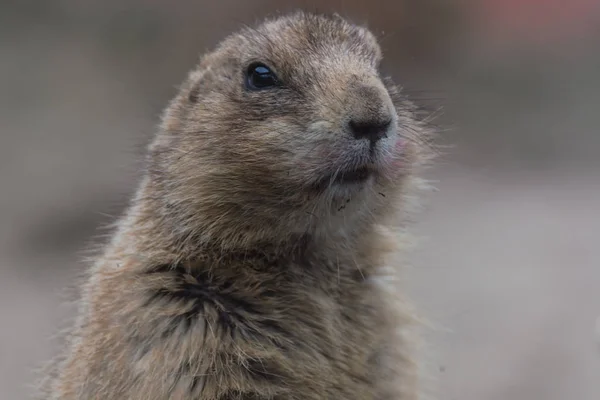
{"points": [[242, 268]]}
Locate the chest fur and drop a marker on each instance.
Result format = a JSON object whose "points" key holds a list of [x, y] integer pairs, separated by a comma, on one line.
{"points": [[205, 334]]}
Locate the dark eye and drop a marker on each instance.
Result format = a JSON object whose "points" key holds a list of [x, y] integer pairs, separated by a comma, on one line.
{"points": [[259, 76]]}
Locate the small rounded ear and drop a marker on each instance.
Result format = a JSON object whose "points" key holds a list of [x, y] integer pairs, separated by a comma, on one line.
{"points": [[212, 74], [195, 83], [337, 16], [201, 82], [194, 94]]}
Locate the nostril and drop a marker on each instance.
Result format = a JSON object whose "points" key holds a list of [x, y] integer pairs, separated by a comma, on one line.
{"points": [[372, 130]]}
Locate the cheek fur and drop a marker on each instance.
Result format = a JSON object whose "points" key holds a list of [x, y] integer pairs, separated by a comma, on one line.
{"points": [[319, 156]]}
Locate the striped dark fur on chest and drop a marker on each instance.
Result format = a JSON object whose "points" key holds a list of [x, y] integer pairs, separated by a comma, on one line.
{"points": [[277, 323]]}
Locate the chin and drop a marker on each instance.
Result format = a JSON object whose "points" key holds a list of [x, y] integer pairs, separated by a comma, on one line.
{"points": [[353, 191], [350, 195]]}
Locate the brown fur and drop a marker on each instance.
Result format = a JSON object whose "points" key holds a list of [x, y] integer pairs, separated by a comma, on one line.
{"points": [[238, 272]]}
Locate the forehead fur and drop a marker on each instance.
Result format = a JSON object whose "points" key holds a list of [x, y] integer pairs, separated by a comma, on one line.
{"points": [[297, 38], [319, 33]]}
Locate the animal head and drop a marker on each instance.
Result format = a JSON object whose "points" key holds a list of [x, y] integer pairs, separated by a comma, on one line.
{"points": [[286, 128]]}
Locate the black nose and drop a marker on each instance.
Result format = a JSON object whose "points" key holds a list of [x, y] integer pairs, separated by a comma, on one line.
{"points": [[370, 129]]}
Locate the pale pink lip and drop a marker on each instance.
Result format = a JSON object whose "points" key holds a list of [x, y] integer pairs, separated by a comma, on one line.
{"points": [[398, 150], [400, 144]]}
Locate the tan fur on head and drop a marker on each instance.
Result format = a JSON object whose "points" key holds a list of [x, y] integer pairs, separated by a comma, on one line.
{"points": [[255, 261]]}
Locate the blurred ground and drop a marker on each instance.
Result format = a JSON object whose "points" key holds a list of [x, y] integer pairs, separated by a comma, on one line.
{"points": [[509, 272], [508, 269]]}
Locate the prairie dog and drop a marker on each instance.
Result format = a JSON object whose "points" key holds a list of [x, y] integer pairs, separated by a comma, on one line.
{"points": [[254, 259]]}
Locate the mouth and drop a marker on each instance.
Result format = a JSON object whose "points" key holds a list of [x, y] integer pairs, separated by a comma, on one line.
{"points": [[347, 177]]}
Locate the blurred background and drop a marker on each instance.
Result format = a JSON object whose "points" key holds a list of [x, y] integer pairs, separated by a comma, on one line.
{"points": [[508, 267]]}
